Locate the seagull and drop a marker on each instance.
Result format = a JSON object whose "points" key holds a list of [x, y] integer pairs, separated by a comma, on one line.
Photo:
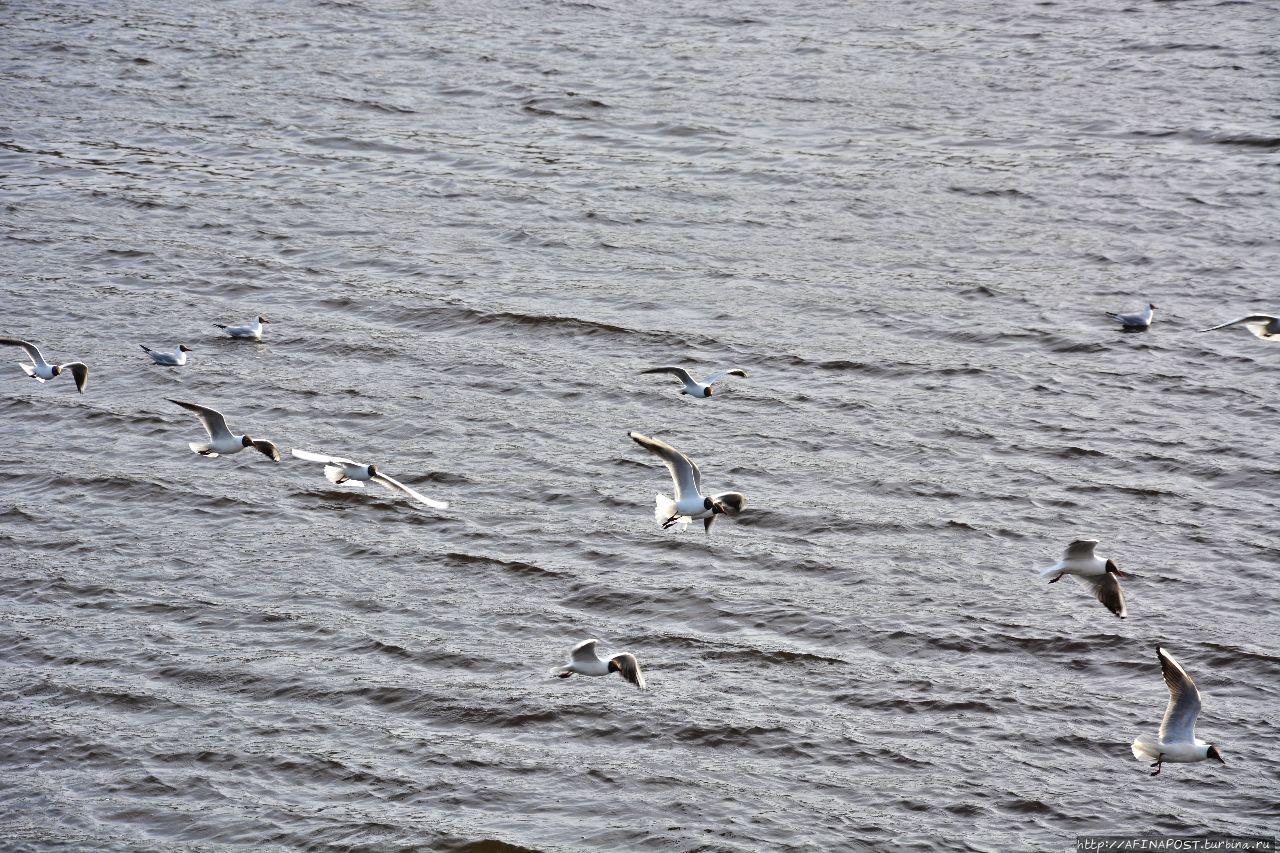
{"points": [[43, 371], [1262, 325], [253, 331], [339, 470], [178, 358], [221, 440], [1137, 320], [584, 661], [691, 387], [690, 503], [1177, 741], [1093, 571]]}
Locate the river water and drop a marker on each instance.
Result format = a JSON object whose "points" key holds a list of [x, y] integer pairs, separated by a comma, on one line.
{"points": [[471, 226]]}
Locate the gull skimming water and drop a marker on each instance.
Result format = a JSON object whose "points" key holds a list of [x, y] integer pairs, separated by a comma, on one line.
{"points": [[692, 387], [1093, 571], [583, 660], [1177, 740], [339, 470], [43, 371], [689, 502], [222, 441]]}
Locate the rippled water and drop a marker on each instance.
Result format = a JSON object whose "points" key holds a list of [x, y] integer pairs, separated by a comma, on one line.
{"points": [[472, 225]]}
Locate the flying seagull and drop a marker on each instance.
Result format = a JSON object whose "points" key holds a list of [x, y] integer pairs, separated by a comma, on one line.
{"points": [[584, 661], [689, 503], [1093, 571], [43, 371], [1137, 320], [339, 470], [176, 359], [1177, 741], [221, 440], [692, 387], [250, 332], [1262, 325]]}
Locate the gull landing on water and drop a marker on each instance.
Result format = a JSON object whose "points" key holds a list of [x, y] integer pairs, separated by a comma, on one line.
{"points": [[1177, 741], [690, 503], [1137, 320], [1261, 325], [338, 470], [221, 440], [584, 661], [43, 371], [1093, 571], [177, 359], [692, 387], [250, 332]]}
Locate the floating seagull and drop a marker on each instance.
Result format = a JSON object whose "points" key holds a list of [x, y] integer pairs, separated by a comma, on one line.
{"points": [[1262, 325], [691, 387], [1138, 320], [221, 440], [690, 503], [1177, 741], [1093, 571], [584, 661], [253, 331], [178, 358], [339, 470], [43, 371]]}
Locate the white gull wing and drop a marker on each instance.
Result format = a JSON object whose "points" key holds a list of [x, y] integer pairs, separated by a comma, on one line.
{"points": [[320, 457], [1106, 589], [32, 349], [716, 377], [1262, 325], [678, 372], [1080, 549], [584, 652], [214, 423], [1179, 723], [396, 485], [684, 473]]}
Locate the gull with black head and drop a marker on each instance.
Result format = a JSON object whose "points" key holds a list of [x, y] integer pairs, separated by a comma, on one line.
{"points": [[222, 441], [583, 660], [1177, 740], [338, 470], [693, 387], [1093, 571], [43, 371], [689, 501]]}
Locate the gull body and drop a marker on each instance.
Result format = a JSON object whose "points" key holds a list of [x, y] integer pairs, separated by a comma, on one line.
{"points": [[338, 470], [253, 331], [176, 359], [1137, 320], [1095, 572], [692, 387], [222, 441], [583, 660], [1261, 325], [689, 501], [42, 371], [1177, 741]]}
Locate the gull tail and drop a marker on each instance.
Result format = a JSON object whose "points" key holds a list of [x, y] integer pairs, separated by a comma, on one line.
{"points": [[663, 510], [334, 474], [1146, 747], [1055, 569], [202, 449], [30, 371]]}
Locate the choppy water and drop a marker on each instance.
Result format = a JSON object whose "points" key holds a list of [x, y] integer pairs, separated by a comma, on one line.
{"points": [[471, 225]]}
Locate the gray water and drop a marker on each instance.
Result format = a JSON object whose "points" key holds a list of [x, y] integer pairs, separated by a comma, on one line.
{"points": [[471, 225]]}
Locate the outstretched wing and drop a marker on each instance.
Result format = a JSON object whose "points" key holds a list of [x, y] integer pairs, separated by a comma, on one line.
{"points": [[629, 668], [1251, 320], [684, 474], [678, 372], [1106, 589], [1081, 549], [267, 449], [584, 652], [321, 457], [31, 349], [1179, 723], [214, 423], [716, 377], [396, 485], [80, 371]]}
